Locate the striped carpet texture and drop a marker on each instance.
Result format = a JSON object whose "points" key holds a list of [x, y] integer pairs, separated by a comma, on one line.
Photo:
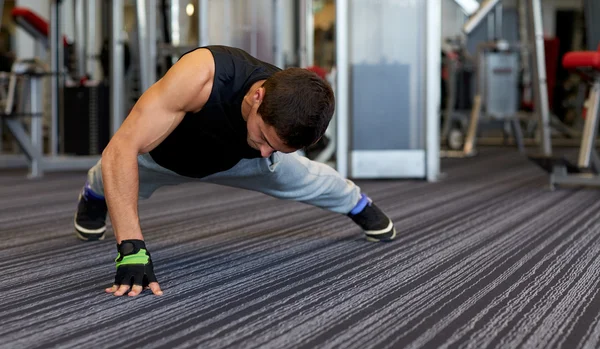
{"points": [[486, 258]]}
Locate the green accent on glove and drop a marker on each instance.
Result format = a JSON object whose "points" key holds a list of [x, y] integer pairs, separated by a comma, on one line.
{"points": [[139, 258]]}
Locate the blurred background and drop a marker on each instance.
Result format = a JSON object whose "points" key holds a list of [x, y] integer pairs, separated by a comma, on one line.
{"points": [[415, 81]]}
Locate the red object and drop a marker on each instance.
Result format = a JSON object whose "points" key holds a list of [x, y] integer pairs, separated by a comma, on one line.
{"points": [[320, 71], [36, 22], [582, 59], [551, 53]]}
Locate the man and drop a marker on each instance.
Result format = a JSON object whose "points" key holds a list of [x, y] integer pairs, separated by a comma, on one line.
{"points": [[219, 116]]}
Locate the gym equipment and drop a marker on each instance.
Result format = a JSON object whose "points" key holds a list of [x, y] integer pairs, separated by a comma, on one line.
{"points": [[481, 13], [34, 25], [163, 32], [86, 123], [497, 83], [459, 72], [22, 103], [540, 88], [24, 82], [587, 170]]}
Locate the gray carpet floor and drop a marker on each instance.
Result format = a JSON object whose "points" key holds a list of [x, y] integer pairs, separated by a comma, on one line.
{"points": [[486, 258]]}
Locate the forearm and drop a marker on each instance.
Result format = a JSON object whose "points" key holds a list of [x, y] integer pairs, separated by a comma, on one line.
{"points": [[121, 185]]}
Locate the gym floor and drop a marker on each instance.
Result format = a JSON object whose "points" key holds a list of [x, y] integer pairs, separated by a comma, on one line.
{"points": [[486, 258]]}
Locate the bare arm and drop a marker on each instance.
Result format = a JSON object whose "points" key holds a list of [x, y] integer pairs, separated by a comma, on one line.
{"points": [[184, 88]]}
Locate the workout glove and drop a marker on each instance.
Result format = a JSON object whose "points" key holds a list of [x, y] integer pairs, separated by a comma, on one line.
{"points": [[134, 264]]}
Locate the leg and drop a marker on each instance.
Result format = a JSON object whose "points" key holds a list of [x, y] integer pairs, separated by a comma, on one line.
{"points": [[151, 177], [90, 219], [292, 177]]}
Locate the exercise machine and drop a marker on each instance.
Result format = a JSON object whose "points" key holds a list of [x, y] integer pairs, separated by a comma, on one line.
{"points": [[497, 83], [20, 92], [587, 170], [21, 99]]}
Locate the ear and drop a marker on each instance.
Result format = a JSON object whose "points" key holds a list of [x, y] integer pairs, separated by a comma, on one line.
{"points": [[259, 94]]}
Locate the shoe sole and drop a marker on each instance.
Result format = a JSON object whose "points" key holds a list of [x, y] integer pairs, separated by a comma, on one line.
{"points": [[89, 234], [371, 239], [371, 235]]}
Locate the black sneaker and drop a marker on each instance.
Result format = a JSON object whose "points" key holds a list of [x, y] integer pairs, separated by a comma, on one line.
{"points": [[377, 225], [90, 219]]}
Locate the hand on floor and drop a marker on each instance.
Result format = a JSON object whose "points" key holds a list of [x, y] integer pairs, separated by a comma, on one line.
{"points": [[134, 270]]}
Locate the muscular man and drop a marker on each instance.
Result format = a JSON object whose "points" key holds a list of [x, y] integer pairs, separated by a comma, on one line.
{"points": [[219, 116]]}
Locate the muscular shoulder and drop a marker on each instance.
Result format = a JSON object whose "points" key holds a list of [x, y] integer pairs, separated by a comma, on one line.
{"points": [[199, 63], [194, 74]]}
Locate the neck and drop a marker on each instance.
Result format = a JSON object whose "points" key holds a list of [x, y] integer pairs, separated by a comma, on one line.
{"points": [[248, 101]]}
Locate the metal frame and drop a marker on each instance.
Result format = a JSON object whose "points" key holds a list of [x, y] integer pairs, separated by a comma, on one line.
{"points": [[469, 7], [41, 39], [478, 105], [540, 89], [536, 73], [588, 157], [31, 143], [343, 86], [56, 63], [151, 42], [587, 153], [227, 28], [175, 29], [532, 38], [117, 70], [587, 170], [143, 39], [481, 14], [306, 24], [433, 94], [203, 32], [91, 29], [80, 36], [278, 13], [26, 80]]}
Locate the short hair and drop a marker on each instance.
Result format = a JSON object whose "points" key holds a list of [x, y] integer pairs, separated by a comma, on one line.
{"points": [[299, 105]]}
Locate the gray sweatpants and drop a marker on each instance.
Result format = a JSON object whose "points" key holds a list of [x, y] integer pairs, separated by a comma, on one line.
{"points": [[284, 176]]}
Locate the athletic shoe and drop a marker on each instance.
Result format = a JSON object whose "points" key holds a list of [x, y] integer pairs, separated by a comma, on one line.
{"points": [[90, 219], [378, 227]]}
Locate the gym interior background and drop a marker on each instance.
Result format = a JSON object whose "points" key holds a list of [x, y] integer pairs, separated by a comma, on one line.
{"points": [[473, 124]]}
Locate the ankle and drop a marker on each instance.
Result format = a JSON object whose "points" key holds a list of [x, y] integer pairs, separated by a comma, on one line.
{"points": [[89, 193], [363, 202]]}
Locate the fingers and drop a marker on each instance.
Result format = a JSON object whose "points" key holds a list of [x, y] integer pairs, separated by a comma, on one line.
{"points": [[122, 289], [135, 290], [155, 288]]}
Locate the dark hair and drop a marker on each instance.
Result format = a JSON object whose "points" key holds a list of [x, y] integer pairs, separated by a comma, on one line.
{"points": [[299, 105]]}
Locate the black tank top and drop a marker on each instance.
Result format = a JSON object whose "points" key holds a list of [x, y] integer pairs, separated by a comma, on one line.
{"points": [[215, 138]]}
